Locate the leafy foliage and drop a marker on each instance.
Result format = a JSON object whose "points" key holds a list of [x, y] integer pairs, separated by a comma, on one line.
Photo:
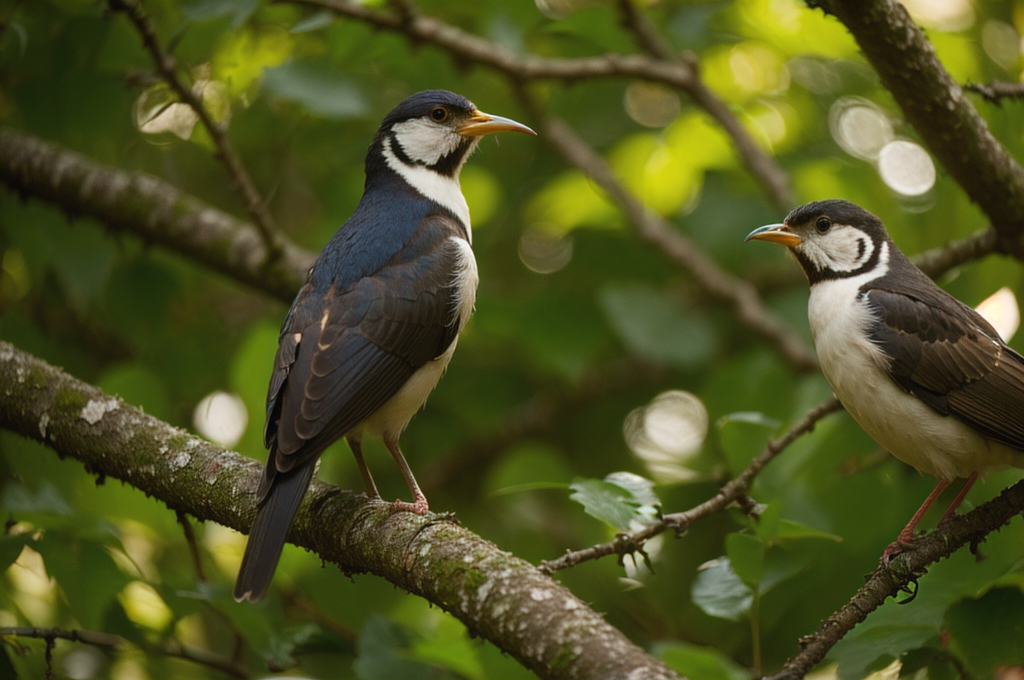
{"points": [[579, 323]]}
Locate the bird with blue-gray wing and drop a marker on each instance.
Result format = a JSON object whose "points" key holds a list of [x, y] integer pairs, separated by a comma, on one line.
{"points": [[374, 327], [924, 374]]}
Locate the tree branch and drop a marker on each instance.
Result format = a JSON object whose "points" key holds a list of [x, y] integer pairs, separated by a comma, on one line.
{"points": [[657, 231], [498, 596], [998, 91], [733, 490], [151, 208], [467, 48], [905, 568], [101, 639], [935, 105], [241, 181]]}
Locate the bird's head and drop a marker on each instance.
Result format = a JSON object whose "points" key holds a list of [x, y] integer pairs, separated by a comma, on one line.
{"points": [[436, 130], [831, 239]]}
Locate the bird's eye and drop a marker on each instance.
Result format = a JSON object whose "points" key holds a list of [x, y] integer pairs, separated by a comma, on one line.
{"points": [[439, 114], [823, 225]]}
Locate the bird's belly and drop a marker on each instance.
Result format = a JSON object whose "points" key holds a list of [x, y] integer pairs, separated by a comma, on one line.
{"points": [[941, 446], [391, 419]]}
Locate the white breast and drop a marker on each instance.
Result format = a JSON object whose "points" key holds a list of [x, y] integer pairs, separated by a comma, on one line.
{"points": [[900, 422]]}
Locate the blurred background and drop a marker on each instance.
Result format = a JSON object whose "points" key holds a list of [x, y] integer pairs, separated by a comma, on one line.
{"points": [[592, 352]]}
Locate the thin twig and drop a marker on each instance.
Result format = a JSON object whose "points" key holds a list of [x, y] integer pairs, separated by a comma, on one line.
{"points": [[749, 308], [996, 92], [193, 546], [241, 181], [675, 72], [98, 638], [905, 568], [732, 491]]}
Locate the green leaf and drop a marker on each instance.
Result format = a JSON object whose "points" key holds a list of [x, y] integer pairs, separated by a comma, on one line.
{"points": [[620, 499], [383, 647], [746, 555], [703, 663], [322, 92], [988, 631], [720, 592], [47, 499], [10, 549], [655, 327]]}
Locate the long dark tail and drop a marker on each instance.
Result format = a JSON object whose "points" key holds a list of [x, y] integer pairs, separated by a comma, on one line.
{"points": [[269, 529]]}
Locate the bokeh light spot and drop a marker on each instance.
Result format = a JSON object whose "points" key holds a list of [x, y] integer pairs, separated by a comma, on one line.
{"points": [[221, 417], [666, 433], [906, 168], [859, 127], [1002, 311], [545, 252], [651, 105]]}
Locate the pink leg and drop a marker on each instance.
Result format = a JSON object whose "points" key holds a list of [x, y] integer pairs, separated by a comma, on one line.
{"points": [[951, 510], [357, 450], [419, 504], [906, 537]]}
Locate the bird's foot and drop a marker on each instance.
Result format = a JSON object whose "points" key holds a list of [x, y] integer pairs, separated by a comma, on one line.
{"points": [[418, 506], [903, 541]]}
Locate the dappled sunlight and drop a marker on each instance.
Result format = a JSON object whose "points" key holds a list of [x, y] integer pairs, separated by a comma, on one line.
{"points": [[1002, 311], [943, 15]]}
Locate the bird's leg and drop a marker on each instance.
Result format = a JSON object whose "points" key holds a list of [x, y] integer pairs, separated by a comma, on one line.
{"points": [[419, 504], [951, 510], [906, 537], [357, 450]]}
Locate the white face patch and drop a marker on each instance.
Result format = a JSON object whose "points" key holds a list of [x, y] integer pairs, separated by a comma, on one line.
{"points": [[425, 141], [842, 249], [435, 186]]}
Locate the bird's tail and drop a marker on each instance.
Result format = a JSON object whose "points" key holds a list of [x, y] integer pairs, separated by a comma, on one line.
{"points": [[269, 529]]}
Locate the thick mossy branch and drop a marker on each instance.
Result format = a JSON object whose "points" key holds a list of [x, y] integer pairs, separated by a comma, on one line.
{"points": [[497, 595], [151, 209]]}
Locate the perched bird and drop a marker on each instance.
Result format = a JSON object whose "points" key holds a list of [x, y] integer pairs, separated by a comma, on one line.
{"points": [[374, 327], [924, 374]]}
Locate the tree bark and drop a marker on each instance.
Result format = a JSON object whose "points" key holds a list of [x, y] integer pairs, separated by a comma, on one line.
{"points": [[497, 595]]}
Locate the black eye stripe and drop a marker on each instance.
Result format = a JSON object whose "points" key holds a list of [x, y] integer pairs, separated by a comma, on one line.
{"points": [[861, 249]]}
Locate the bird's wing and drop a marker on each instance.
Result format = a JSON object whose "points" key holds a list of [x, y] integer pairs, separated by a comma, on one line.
{"points": [[947, 355], [347, 352]]}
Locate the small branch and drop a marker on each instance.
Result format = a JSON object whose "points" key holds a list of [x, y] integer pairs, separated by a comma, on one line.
{"points": [[152, 209], [734, 490], [498, 596], [193, 546], [468, 48], [748, 306], [110, 641], [241, 181], [905, 568], [936, 106], [998, 91], [938, 261]]}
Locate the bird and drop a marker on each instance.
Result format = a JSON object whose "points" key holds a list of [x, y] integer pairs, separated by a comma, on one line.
{"points": [[921, 372], [373, 328]]}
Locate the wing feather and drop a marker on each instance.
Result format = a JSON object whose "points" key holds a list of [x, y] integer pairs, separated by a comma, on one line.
{"points": [[946, 354]]}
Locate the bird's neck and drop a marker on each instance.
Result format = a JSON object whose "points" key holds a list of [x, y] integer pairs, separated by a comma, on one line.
{"points": [[439, 188]]}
